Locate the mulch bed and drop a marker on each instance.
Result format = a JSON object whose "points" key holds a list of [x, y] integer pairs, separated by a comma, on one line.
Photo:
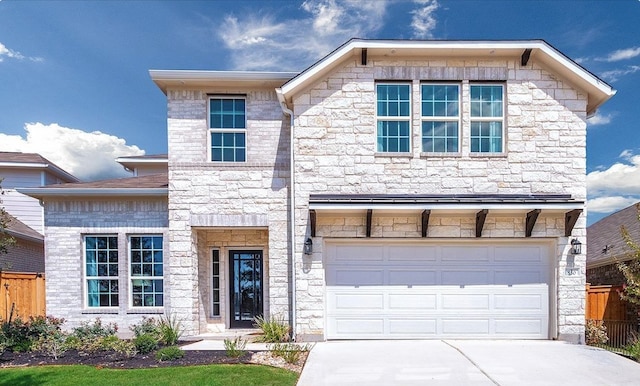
{"points": [[111, 360]]}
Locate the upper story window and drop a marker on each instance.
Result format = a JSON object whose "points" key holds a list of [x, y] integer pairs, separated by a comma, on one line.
{"points": [[393, 112], [227, 129], [147, 277], [487, 117], [101, 270], [440, 118]]}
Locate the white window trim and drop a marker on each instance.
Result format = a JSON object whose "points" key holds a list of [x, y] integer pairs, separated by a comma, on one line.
{"points": [[220, 279], [489, 119], [131, 278], [442, 118], [392, 118], [211, 130], [85, 278]]}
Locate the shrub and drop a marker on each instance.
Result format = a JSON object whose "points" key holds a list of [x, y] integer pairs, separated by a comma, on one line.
{"points": [[169, 353], [596, 332], [170, 330], [90, 331], [145, 343], [126, 348], [235, 348], [53, 345], [16, 335], [290, 352], [275, 330], [149, 326]]}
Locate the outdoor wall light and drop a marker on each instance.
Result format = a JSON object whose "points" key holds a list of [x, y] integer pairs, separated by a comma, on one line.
{"points": [[576, 247], [308, 246]]}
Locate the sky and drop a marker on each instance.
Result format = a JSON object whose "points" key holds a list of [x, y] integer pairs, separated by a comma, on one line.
{"points": [[75, 87]]}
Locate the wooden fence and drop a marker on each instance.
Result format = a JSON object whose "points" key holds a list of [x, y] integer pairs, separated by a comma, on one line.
{"points": [[21, 294], [604, 303]]}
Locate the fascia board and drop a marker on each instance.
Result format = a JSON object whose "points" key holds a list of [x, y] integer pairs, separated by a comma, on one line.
{"points": [[453, 207], [92, 192], [44, 166]]}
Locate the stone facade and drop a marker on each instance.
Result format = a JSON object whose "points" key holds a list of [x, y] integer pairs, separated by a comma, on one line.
{"points": [[66, 224], [205, 197], [545, 137]]}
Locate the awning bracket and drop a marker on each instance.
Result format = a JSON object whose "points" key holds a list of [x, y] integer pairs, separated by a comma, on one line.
{"points": [[532, 217], [312, 221], [425, 222], [369, 217], [570, 219], [480, 217]]}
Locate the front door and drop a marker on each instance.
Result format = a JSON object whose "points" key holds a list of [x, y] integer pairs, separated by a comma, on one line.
{"points": [[246, 288]]}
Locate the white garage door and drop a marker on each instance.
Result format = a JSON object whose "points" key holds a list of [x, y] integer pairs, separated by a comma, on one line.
{"points": [[444, 290]]}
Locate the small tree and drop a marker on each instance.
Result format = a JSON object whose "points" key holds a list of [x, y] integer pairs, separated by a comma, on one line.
{"points": [[6, 240], [631, 268]]}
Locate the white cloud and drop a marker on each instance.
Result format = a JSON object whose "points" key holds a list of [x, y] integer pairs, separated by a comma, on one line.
{"points": [[5, 52], [423, 21], [259, 42], [610, 204], [614, 75], [87, 155], [599, 119], [627, 53]]}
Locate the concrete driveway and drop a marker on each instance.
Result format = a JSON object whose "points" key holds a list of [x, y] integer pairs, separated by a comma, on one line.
{"points": [[464, 362]]}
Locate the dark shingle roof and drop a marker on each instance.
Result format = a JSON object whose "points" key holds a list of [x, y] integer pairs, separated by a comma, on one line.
{"points": [[34, 158], [17, 228], [604, 238], [145, 182]]}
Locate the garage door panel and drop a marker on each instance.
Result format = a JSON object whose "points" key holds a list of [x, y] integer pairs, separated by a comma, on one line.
{"points": [[356, 277], [350, 253], [471, 291], [412, 277], [465, 302], [525, 276], [462, 327], [465, 277], [412, 327], [412, 302], [464, 255], [401, 253], [356, 301], [520, 302], [533, 327], [533, 254]]}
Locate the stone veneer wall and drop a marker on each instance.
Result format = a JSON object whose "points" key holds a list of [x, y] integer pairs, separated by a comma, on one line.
{"points": [[545, 137], [605, 275], [66, 222], [210, 196]]}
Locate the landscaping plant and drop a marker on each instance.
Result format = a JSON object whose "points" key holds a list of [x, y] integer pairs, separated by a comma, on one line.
{"points": [[170, 330], [274, 330], [145, 343], [596, 333], [169, 353], [235, 348], [290, 352]]}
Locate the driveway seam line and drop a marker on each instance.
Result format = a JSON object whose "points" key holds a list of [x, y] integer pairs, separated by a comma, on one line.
{"points": [[472, 362]]}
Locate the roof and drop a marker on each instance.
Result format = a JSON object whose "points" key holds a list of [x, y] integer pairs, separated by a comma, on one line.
{"points": [[471, 202], [143, 160], [33, 160], [20, 230], [151, 185], [604, 238], [598, 91], [166, 79]]}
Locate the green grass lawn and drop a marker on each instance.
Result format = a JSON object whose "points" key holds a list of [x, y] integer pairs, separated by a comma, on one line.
{"points": [[226, 375]]}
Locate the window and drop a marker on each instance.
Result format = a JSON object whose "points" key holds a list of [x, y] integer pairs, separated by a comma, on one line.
{"points": [[146, 271], [440, 117], [227, 129], [393, 117], [216, 283], [101, 270], [487, 116]]}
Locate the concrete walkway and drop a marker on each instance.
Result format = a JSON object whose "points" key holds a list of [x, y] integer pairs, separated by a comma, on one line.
{"points": [[435, 362]]}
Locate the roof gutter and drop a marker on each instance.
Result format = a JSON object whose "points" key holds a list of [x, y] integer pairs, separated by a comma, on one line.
{"points": [[292, 210]]}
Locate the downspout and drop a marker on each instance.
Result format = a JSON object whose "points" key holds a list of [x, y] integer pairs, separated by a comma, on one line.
{"points": [[292, 210]]}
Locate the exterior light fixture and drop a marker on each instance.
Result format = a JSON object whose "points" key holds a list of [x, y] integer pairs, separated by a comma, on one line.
{"points": [[308, 246], [576, 247]]}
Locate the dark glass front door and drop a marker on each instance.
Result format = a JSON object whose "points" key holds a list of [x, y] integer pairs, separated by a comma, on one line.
{"points": [[246, 288]]}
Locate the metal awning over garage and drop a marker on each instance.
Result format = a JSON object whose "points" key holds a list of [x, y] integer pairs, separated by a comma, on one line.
{"points": [[529, 205]]}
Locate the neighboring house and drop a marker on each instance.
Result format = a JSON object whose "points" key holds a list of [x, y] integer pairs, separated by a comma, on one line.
{"points": [[144, 165], [605, 249], [394, 189], [19, 170]]}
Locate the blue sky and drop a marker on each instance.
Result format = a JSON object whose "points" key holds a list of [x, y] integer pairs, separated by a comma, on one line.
{"points": [[74, 83]]}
